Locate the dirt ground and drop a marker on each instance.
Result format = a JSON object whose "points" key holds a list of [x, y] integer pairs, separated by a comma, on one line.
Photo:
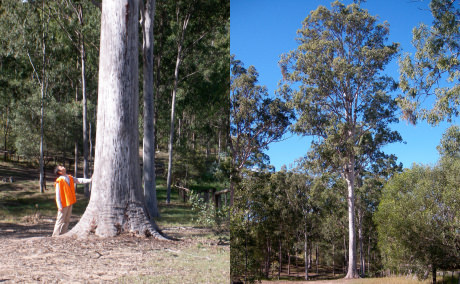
{"points": [[28, 254]]}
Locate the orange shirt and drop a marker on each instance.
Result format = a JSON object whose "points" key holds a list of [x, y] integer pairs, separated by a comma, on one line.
{"points": [[66, 192]]}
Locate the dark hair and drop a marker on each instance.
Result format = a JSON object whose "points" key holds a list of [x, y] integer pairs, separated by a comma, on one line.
{"points": [[56, 170]]}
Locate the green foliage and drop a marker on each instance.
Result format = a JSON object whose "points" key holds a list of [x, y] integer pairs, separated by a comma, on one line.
{"points": [[342, 97], [418, 219], [450, 142], [207, 213], [256, 120], [434, 68]]}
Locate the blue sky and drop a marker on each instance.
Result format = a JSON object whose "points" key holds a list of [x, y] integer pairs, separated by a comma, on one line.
{"points": [[262, 30]]}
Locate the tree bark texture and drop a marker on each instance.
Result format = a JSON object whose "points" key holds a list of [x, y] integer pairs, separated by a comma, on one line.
{"points": [[350, 178], [117, 202], [149, 113]]}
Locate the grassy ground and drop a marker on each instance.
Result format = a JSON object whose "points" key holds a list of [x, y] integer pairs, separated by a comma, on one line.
{"points": [[200, 256], [385, 280], [21, 199]]}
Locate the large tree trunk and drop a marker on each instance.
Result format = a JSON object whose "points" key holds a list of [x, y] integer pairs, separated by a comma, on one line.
{"points": [[149, 132], [350, 177], [117, 202]]}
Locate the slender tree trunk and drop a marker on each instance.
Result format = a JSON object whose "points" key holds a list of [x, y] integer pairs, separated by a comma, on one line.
{"points": [[149, 131], [369, 255], [333, 259], [173, 104], [280, 259], [317, 260], [362, 262], [75, 167], [434, 273], [117, 203], [289, 262], [345, 254], [90, 140], [5, 145], [350, 177], [305, 244], [84, 102], [267, 263], [42, 110], [171, 131]]}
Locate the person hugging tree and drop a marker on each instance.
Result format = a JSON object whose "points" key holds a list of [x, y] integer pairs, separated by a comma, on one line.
{"points": [[65, 198]]}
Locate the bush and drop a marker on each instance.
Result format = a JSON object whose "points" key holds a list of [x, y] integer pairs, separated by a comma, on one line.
{"points": [[207, 213]]}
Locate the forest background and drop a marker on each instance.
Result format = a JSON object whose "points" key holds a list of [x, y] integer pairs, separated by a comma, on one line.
{"points": [[298, 214]]}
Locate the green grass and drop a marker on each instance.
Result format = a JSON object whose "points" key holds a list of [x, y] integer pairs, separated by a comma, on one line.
{"points": [[387, 280], [22, 198], [209, 265], [175, 214], [16, 204]]}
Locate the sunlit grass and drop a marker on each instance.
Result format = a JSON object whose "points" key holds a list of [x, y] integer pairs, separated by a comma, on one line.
{"points": [[197, 265], [388, 280]]}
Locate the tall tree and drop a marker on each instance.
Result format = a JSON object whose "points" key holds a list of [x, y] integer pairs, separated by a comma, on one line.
{"points": [[342, 97], [434, 69], [117, 201], [147, 22]]}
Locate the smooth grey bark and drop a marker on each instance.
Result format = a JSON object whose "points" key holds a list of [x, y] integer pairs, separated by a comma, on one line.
{"points": [[117, 202], [148, 13], [350, 178]]}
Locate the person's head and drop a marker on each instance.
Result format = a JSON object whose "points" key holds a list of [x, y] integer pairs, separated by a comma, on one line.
{"points": [[59, 170]]}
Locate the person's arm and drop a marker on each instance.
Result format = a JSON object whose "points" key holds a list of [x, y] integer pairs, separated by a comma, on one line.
{"points": [[82, 180], [58, 197]]}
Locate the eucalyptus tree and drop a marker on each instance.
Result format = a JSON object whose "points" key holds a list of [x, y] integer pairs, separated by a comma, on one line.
{"points": [[256, 120], [117, 201], [342, 97], [434, 68]]}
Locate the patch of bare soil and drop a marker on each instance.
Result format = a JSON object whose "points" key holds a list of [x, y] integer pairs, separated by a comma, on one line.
{"points": [[28, 254]]}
